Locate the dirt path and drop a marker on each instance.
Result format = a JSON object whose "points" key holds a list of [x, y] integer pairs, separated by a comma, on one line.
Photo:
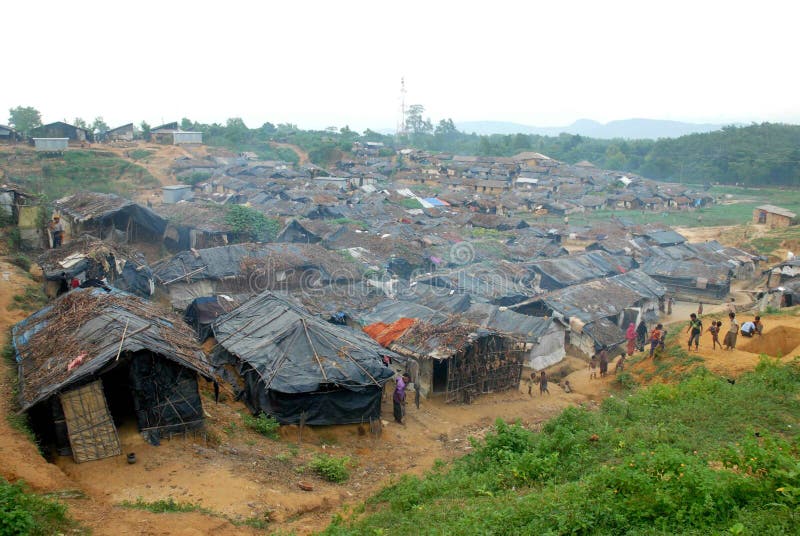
{"points": [[301, 154]]}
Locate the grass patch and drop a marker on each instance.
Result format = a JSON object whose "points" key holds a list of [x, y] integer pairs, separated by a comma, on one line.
{"points": [[32, 299], [265, 425], [698, 457], [410, 203], [25, 513], [170, 505], [140, 154], [330, 468], [162, 506], [20, 261]]}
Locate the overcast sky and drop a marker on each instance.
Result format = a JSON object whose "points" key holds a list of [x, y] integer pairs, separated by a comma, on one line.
{"points": [[339, 62]]}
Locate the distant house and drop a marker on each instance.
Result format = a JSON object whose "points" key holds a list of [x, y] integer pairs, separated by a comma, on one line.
{"points": [[8, 134], [171, 134], [51, 145], [176, 192], [773, 216], [123, 133], [59, 129]]}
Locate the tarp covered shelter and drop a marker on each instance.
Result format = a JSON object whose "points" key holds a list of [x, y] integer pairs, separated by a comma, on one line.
{"points": [[110, 216], [295, 366], [88, 258], [295, 232], [145, 358], [202, 312]]}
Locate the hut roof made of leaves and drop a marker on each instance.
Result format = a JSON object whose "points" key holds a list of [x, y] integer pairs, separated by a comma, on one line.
{"points": [[208, 217], [437, 341], [295, 352], [86, 206], [78, 334], [85, 247]]}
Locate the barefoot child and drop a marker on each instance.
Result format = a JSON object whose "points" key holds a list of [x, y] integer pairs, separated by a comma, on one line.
{"points": [[713, 329]]}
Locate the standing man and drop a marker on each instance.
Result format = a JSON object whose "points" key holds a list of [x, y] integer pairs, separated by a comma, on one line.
{"points": [[57, 230], [543, 384], [694, 330], [399, 397], [670, 303], [733, 331]]}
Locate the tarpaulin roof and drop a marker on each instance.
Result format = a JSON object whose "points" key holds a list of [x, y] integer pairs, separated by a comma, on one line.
{"points": [[227, 261], [87, 206], [523, 327], [90, 323], [294, 352], [390, 311], [386, 333], [572, 269]]}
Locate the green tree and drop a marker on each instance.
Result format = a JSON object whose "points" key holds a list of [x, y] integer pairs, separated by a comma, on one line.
{"points": [[145, 126], [99, 125], [78, 122], [415, 121], [24, 119], [236, 131], [187, 124]]}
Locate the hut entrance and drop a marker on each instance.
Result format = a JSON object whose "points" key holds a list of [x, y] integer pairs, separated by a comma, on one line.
{"points": [[91, 431], [440, 367]]}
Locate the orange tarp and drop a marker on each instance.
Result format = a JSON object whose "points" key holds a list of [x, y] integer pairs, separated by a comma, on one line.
{"points": [[386, 334]]}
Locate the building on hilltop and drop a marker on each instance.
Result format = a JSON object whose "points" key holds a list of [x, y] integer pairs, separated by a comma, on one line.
{"points": [[773, 216]]}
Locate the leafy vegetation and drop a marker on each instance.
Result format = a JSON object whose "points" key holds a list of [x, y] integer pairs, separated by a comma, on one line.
{"points": [[699, 457], [410, 203], [25, 513], [140, 154], [252, 224], [265, 425], [31, 299], [330, 468], [95, 171]]}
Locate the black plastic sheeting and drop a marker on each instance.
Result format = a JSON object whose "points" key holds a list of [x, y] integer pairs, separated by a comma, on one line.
{"points": [[339, 406], [166, 398], [202, 312]]}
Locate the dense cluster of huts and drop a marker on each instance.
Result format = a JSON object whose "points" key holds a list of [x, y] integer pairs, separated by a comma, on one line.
{"points": [[366, 278]]}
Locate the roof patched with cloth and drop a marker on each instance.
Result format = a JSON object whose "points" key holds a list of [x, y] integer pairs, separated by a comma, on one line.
{"points": [[295, 352], [82, 331]]}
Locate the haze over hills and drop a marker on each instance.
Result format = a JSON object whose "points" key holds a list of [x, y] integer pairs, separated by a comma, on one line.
{"points": [[626, 128]]}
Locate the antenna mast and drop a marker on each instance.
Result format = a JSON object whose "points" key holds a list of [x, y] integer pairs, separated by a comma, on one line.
{"points": [[401, 124]]}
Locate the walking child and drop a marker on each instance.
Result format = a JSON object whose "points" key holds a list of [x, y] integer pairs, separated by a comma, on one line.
{"points": [[694, 330], [593, 367], [543, 384], [713, 329]]}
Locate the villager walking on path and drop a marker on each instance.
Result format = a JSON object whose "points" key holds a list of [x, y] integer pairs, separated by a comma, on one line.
{"points": [[543, 384], [630, 336], [641, 335], [700, 309], [694, 330], [670, 303], [603, 362], [655, 338], [620, 364], [399, 397], [593, 367], [733, 331], [531, 381]]}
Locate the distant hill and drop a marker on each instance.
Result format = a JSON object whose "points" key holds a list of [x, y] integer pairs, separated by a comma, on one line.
{"points": [[626, 128]]}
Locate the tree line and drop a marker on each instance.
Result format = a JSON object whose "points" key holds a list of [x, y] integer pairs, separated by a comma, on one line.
{"points": [[758, 154]]}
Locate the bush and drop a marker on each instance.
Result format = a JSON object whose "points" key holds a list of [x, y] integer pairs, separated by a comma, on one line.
{"points": [[265, 425], [22, 512], [410, 203], [138, 154], [22, 261], [330, 468]]}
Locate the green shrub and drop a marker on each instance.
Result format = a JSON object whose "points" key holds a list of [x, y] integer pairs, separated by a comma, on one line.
{"points": [[21, 260], [162, 506], [24, 513], [410, 203], [265, 425], [139, 154], [330, 468]]}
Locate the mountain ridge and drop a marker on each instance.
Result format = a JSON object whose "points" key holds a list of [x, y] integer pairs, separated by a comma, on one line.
{"points": [[634, 128]]}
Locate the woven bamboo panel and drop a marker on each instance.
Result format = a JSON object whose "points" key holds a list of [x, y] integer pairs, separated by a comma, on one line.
{"points": [[91, 429]]}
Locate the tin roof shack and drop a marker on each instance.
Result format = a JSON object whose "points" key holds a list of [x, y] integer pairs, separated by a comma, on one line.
{"points": [[50, 145], [691, 279], [298, 367], [122, 133], [454, 359], [783, 273], [598, 310], [552, 274], [9, 134], [92, 360], [176, 192], [89, 260], [252, 268], [110, 217], [773, 216], [60, 129]]}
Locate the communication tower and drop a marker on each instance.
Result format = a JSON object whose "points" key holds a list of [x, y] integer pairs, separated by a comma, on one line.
{"points": [[401, 123]]}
